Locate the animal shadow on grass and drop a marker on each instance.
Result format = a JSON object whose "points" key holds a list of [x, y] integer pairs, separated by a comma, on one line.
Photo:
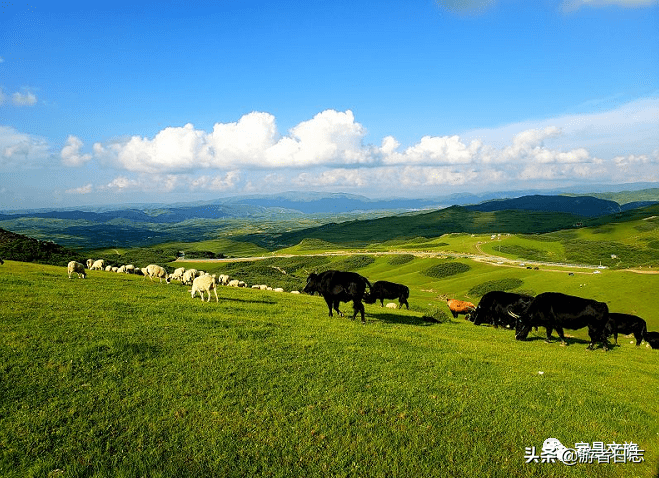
{"points": [[542, 337], [250, 301], [404, 319]]}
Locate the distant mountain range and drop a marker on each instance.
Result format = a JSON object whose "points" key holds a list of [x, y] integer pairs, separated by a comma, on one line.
{"points": [[334, 203], [331, 217]]}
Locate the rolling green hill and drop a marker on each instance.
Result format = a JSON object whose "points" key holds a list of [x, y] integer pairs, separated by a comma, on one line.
{"points": [[455, 219]]}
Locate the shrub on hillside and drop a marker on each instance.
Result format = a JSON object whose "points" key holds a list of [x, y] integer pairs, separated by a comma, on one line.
{"points": [[446, 269], [400, 259], [203, 255], [352, 263], [647, 226], [503, 284], [315, 244], [653, 244]]}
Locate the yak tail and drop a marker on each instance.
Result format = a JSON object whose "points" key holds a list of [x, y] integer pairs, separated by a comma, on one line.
{"points": [[368, 283]]}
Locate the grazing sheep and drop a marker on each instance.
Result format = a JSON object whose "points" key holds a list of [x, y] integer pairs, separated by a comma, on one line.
{"points": [[97, 265], [153, 270], [130, 269], [114, 269], [202, 284], [89, 263], [177, 274], [108, 268], [295, 292], [138, 271], [237, 283], [391, 305], [278, 289], [188, 276], [223, 279], [77, 268], [121, 270]]}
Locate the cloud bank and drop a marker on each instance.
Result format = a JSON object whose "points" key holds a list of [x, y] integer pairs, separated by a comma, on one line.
{"points": [[330, 151]]}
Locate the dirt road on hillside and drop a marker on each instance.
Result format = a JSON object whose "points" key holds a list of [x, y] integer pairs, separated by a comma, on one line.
{"points": [[480, 257]]}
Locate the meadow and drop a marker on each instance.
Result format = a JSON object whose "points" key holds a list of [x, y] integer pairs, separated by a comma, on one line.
{"points": [[115, 375]]}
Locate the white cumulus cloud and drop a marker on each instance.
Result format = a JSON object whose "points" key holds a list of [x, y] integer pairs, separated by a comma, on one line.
{"points": [[86, 189], [331, 137], [431, 150], [20, 150], [226, 182], [70, 153]]}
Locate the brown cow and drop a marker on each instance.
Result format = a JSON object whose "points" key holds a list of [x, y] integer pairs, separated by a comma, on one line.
{"points": [[458, 307]]}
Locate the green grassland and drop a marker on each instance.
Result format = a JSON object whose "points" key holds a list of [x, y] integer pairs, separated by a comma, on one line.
{"points": [[116, 375]]}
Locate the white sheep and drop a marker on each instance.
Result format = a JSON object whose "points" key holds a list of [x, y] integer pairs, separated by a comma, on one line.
{"points": [[89, 263], [202, 284], [154, 270], [391, 305], [97, 265], [130, 269], [121, 270], [108, 268], [223, 279], [178, 273], [114, 269], [188, 276], [77, 268]]}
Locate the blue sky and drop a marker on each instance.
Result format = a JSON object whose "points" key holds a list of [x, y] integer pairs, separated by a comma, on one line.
{"points": [[183, 101]]}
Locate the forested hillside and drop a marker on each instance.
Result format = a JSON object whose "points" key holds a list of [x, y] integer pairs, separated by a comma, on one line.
{"points": [[17, 247]]}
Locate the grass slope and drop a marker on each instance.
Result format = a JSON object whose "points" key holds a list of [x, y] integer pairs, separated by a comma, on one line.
{"points": [[118, 376], [454, 219]]}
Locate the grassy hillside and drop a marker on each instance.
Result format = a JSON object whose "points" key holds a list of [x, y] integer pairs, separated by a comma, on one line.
{"points": [[454, 219], [633, 242], [27, 249], [624, 197], [118, 376]]}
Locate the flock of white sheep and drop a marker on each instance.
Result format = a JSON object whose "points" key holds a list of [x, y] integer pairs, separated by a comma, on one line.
{"points": [[201, 282]]}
